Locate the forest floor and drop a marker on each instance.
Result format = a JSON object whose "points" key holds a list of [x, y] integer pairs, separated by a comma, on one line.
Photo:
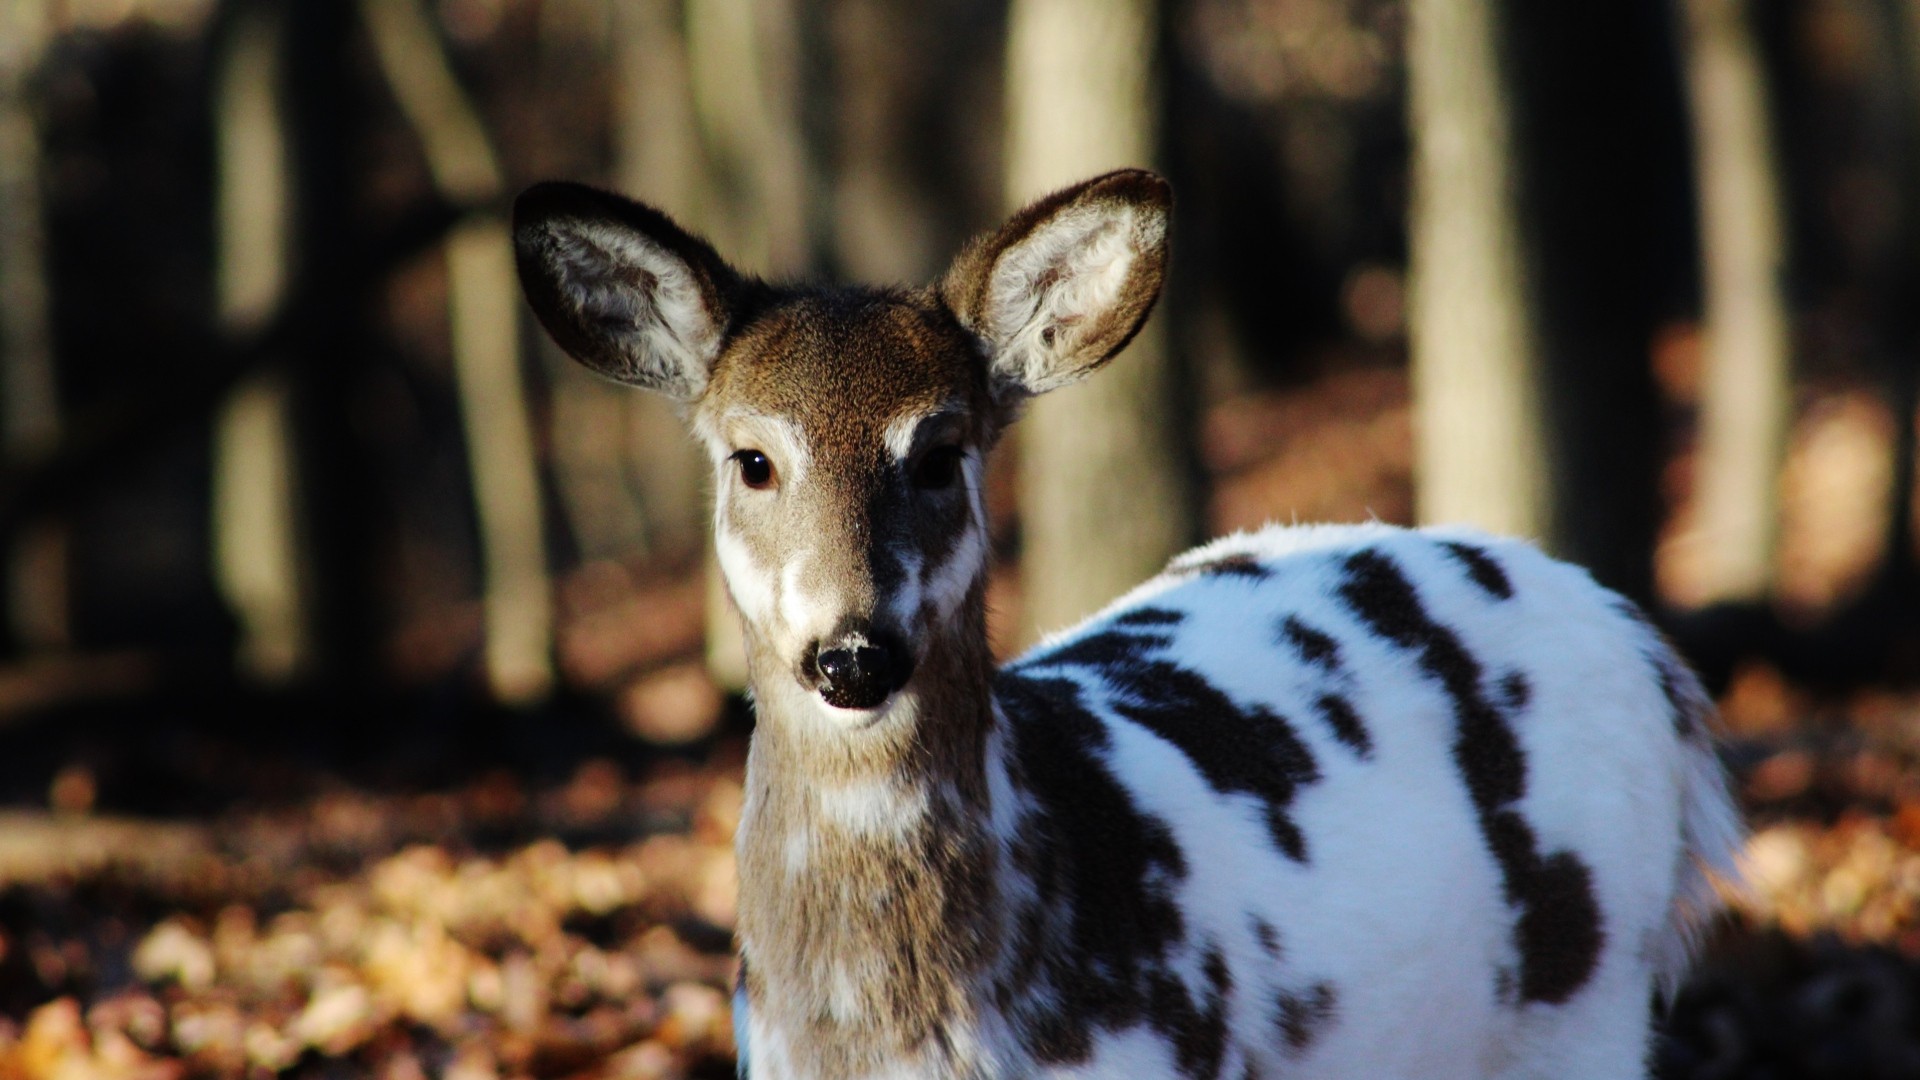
{"points": [[579, 927], [213, 889]]}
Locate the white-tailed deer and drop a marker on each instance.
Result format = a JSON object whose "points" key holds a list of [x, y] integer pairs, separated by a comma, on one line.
{"points": [[1316, 802]]}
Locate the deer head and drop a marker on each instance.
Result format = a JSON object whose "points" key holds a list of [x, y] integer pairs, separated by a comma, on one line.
{"points": [[847, 426]]}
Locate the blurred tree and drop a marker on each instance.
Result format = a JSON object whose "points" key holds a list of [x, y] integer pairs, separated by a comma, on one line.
{"points": [[1604, 210], [29, 398], [256, 530], [1480, 453], [29, 404], [1898, 284], [911, 174], [1746, 401], [1541, 209], [483, 305], [743, 56], [1107, 475], [339, 487]]}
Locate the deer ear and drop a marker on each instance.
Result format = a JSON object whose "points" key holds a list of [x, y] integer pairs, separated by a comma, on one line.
{"points": [[1066, 283], [623, 289]]}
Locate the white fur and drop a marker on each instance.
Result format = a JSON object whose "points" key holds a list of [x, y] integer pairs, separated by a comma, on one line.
{"points": [[947, 583], [752, 586], [899, 434], [871, 807], [803, 613]]}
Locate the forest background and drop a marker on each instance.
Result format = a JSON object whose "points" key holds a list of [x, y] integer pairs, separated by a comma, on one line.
{"points": [[367, 702]]}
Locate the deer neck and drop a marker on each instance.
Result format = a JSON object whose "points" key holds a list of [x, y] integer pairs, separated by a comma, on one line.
{"points": [[867, 884]]}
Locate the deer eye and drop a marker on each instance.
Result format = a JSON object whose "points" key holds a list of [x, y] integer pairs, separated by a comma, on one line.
{"points": [[756, 471], [938, 468]]}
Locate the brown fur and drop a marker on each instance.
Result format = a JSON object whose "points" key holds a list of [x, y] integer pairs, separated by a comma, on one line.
{"points": [[893, 354], [935, 930]]}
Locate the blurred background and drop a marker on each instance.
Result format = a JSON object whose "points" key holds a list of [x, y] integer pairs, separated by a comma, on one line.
{"points": [[367, 703]]}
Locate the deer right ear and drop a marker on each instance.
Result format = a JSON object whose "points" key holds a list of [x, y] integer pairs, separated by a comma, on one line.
{"points": [[1066, 283], [623, 289]]}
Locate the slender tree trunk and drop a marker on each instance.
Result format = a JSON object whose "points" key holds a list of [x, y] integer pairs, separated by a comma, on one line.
{"points": [[912, 175], [1480, 450], [1598, 144], [257, 556], [881, 232], [745, 69], [1106, 475], [483, 307], [1900, 284], [29, 398], [1746, 403], [344, 518], [29, 402]]}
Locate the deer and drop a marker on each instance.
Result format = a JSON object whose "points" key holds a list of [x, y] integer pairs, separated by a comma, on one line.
{"points": [[1317, 801]]}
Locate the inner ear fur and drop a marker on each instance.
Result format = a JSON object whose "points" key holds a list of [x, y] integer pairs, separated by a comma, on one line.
{"points": [[1064, 285], [622, 288]]}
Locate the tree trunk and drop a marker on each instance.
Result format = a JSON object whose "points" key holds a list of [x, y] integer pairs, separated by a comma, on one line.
{"points": [[1538, 227], [1899, 283], [912, 175], [344, 517], [29, 402], [1480, 450], [1746, 402], [256, 532], [1600, 150], [483, 306], [29, 399], [1106, 478]]}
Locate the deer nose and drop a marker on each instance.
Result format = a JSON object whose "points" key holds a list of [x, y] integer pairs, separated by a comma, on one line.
{"points": [[858, 672]]}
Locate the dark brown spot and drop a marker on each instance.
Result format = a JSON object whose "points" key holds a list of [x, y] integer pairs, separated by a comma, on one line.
{"points": [[1481, 567], [1558, 933], [1150, 616], [1559, 929], [1339, 715], [1266, 935], [1104, 919], [1238, 564], [1302, 1017], [1251, 750], [1314, 647], [1198, 1029], [1516, 690]]}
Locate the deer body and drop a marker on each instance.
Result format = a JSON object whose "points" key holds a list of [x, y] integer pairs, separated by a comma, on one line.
{"points": [[1316, 802]]}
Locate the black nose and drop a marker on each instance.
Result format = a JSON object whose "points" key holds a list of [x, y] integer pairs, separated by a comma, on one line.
{"points": [[859, 674]]}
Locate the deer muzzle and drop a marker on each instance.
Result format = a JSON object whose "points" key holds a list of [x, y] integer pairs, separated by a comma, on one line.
{"points": [[857, 669]]}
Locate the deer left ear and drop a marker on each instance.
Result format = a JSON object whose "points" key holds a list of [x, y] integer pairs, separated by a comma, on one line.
{"points": [[622, 288], [1067, 282]]}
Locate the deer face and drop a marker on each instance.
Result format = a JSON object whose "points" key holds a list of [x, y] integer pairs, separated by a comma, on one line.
{"points": [[847, 432], [847, 428]]}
